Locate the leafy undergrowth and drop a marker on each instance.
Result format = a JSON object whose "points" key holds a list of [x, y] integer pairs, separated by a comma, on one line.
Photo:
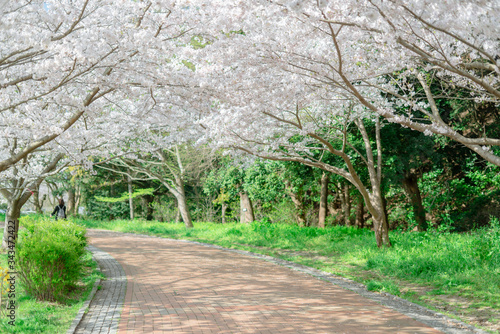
{"points": [[457, 274], [39, 317]]}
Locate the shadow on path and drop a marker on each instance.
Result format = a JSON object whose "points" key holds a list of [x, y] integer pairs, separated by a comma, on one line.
{"points": [[186, 287]]}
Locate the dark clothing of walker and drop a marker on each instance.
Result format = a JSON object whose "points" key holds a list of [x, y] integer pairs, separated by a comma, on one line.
{"points": [[59, 212]]}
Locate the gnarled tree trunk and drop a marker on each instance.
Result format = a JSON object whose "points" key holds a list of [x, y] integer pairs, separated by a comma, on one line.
{"points": [[37, 201], [380, 223], [177, 215], [148, 209]]}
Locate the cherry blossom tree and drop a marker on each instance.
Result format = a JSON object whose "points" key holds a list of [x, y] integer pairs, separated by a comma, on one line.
{"points": [[383, 55], [62, 59], [171, 166], [18, 189], [282, 69], [76, 75], [75, 147]]}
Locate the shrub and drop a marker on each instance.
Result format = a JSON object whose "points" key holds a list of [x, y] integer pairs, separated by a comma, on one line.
{"points": [[49, 257]]}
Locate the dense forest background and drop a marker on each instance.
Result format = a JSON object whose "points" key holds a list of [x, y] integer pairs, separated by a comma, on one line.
{"points": [[428, 182]]}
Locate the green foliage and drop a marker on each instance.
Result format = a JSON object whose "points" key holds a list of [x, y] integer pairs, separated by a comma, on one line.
{"points": [[165, 209], [41, 317], [264, 182], [125, 196], [466, 264], [384, 285], [282, 213], [107, 211], [463, 202], [226, 178], [49, 257]]}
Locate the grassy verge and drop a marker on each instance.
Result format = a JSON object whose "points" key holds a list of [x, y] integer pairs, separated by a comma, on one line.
{"points": [[457, 274], [37, 317]]}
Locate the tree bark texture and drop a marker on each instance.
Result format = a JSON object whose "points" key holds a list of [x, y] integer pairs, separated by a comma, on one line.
{"points": [[346, 195], [182, 202], [70, 208], [148, 209], [12, 215], [37, 201], [380, 223], [323, 201], [410, 186], [130, 199], [297, 199], [360, 212], [246, 208], [178, 215], [78, 197]]}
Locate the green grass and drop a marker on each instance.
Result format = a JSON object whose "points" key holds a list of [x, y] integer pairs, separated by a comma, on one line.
{"points": [[37, 317]]}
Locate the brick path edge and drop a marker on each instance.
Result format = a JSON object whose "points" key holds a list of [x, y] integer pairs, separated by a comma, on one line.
{"points": [[429, 317], [85, 305]]}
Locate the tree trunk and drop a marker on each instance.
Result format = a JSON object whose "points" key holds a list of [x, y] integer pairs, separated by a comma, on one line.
{"points": [[334, 206], [410, 185], [18, 198], [184, 211], [178, 215], [70, 208], [224, 208], [300, 212], [78, 197], [36, 200], [148, 209], [11, 222], [345, 200], [323, 202], [375, 200], [347, 216], [380, 223], [360, 212], [246, 209], [40, 203], [130, 199]]}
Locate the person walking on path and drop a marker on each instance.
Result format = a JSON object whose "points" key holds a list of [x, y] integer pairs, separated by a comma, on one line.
{"points": [[60, 210]]}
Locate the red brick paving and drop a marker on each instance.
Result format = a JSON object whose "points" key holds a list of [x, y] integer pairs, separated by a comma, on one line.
{"points": [[178, 287]]}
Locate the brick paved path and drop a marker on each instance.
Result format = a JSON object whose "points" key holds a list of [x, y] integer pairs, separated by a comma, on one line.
{"points": [[104, 310], [180, 287]]}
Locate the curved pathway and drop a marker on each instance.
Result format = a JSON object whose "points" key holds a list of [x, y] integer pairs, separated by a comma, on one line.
{"points": [[106, 305], [185, 287]]}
